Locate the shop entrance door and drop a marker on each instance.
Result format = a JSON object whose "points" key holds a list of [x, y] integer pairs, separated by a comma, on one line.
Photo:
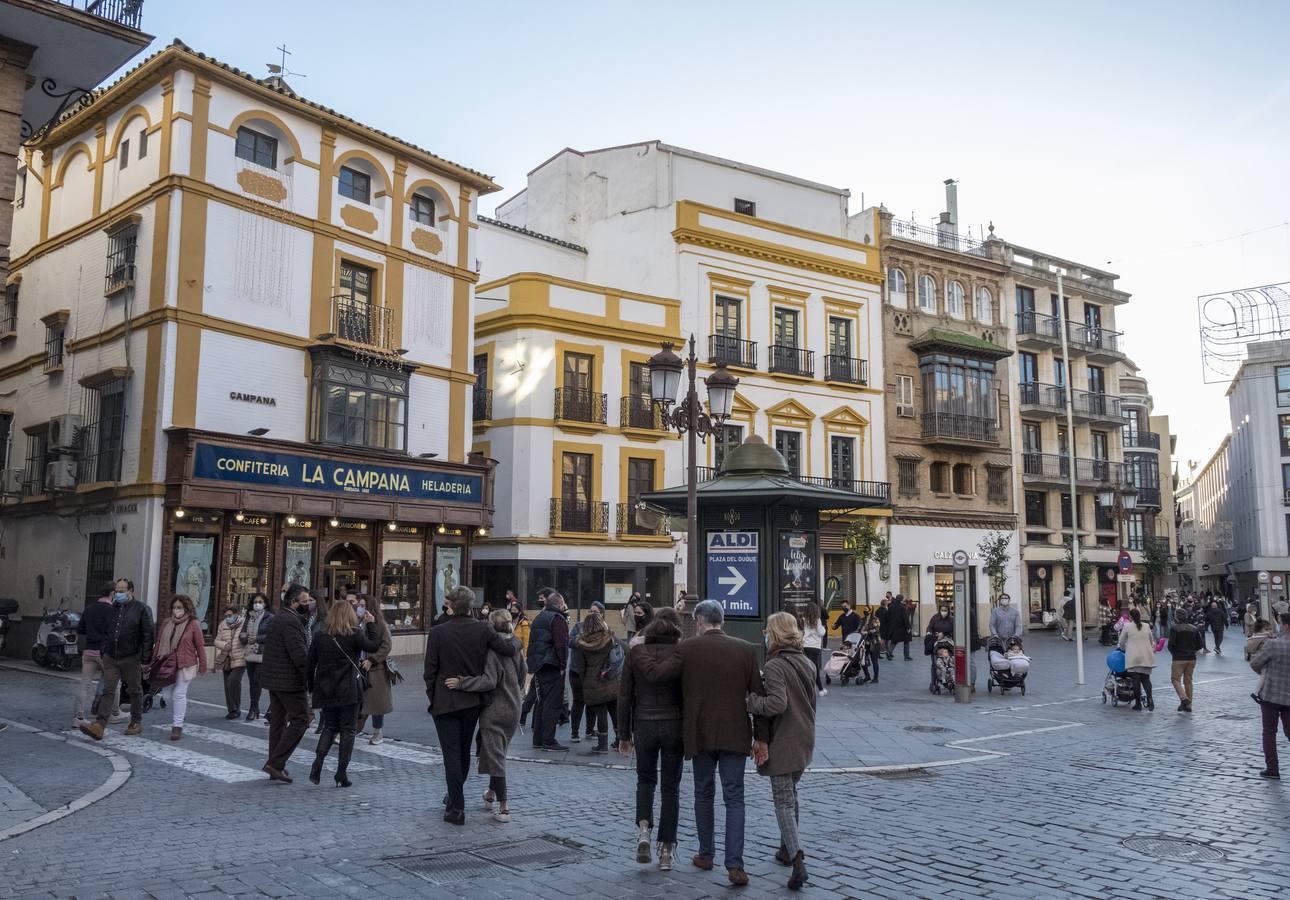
{"points": [[347, 567]]}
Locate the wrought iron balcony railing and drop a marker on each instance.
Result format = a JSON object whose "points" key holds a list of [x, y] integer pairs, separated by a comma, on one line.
{"points": [[362, 322], [1050, 397], [641, 413], [1056, 467], [579, 516], [123, 12], [946, 239], [1096, 405], [846, 369], [1148, 440], [732, 351], [791, 361], [960, 427], [876, 490], [483, 404], [577, 405], [627, 522]]}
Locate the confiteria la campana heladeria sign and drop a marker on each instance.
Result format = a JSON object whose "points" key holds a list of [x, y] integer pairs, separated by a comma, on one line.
{"points": [[312, 473]]}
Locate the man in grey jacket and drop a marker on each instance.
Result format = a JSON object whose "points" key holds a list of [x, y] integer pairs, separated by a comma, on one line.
{"points": [[1272, 662], [1005, 621]]}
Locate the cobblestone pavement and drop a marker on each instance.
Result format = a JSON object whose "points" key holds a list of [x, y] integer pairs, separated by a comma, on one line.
{"points": [[917, 796]]}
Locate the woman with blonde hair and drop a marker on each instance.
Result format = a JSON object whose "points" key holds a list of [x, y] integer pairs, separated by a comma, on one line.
{"points": [[789, 707], [178, 654], [334, 680]]}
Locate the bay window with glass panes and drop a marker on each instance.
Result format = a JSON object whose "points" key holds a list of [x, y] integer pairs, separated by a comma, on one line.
{"points": [[357, 405]]}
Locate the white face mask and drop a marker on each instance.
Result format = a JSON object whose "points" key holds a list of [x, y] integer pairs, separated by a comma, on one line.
{"points": [[177, 612], [945, 612], [259, 607], [1004, 602]]}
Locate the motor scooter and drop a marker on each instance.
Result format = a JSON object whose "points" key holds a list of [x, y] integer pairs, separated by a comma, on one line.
{"points": [[56, 644], [8, 607]]}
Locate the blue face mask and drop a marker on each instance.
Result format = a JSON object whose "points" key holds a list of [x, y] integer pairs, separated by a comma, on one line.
{"points": [[119, 597], [360, 611], [230, 619]]}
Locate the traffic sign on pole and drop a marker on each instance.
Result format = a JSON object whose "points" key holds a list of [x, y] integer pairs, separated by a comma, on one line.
{"points": [[1125, 562]]}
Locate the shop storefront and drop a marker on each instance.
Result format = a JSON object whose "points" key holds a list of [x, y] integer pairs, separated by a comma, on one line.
{"points": [[924, 569], [611, 582], [247, 516], [1039, 590]]}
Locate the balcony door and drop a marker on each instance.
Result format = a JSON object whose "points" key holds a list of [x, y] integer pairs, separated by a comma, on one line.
{"points": [[1031, 448], [784, 356], [727, 327], [640, 480], [789, 445], [841, 350], [730, 437], [354, 305], [1101, 469], [579, 376], [575, 492], [640, 403], [842, 456]]}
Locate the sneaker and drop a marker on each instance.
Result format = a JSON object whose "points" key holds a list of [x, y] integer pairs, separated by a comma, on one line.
{"points": [[93, 729], [502, 815], [574, 739], [377, 737], [665, 857], [642, 842], [824, 692], [118, 717], [489, 800], [556, 747], [78, 721], [134, 729]]}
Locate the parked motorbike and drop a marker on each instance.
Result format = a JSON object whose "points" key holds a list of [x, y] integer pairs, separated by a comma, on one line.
{"points": [[55, 646], [8, 607]]}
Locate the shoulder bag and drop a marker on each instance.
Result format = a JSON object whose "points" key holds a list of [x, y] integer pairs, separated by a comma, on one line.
{"points": [[364, 682]]}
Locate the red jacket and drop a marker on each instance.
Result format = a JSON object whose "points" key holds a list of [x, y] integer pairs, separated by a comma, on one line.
{"points": [[192, 648]]}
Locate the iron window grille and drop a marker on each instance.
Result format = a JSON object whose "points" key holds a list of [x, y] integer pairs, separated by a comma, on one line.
{"points": [[355, 185], [102, 435], [257, 148], [355, 405], [482, 404], [996, 485], [422, 210], [745, 207], [54, 344], [122, 243], [9, 311], [907, 477], [38, 458], [101, 565]]}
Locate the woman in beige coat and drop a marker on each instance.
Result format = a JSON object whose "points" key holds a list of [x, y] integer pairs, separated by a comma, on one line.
{"points": [[230, 659], [1139, 656], [378, 699]]}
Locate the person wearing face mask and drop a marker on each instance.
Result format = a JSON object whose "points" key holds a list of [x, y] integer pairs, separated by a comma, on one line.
{"points": [[230, 659], [255, 627], [378, 699], [332, 676], [126, 647], [941, 623], [179, 638], [315, 624], [282, 674], [1005, 620]]}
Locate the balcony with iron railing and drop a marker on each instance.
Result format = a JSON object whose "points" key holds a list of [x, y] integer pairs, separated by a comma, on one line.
{"points": [[482, 404], [577, 405], [944, 238], [732, 351], [846, 370], [959, 429], [875, 490], [1054, 468], [123, 12], [1097, 406], [1142, 440], [577, 516], [1149, 496], [1038, 397], [627, 524], [361, 322], [789, 360], [640, 414], [1096, 341]]}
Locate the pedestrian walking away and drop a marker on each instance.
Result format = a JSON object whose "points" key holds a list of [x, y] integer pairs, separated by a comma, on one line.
{"points": [[1216, 618], [1139, 657], [378, 700], [1066, 622], [898, 625], [598, 663], [282, 674], [787, 712], [127, 646], [93, 627], [573, 671], [336, 682], [547, 658], [1272, 662], [718, 672], [1184, 644], [503, 678], [459, 649], [649, 718], [814, 637], [255, 628], [230, 659]]}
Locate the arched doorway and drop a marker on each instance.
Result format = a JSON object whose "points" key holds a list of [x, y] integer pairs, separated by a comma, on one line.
{"points": [[347, 567]]}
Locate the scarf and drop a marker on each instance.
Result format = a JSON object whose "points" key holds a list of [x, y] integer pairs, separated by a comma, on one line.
{"points": [[174, 636]]}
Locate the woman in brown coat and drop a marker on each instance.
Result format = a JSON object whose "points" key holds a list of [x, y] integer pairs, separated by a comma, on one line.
{"points": [[789, 707], [378, 699], [599, 680]]}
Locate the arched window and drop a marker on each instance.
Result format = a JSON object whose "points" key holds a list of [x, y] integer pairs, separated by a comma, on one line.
{"points": [[926, 293], [421, 209], [256, 146], [896, 284], [954, 300], [984, 312]]}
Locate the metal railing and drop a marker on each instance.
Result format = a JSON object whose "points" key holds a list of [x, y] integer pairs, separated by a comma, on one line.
{"points": [[946, 239], [960, 427], [363, 323], [120, 259], [123, 12], [1096, 339], [1149, 496], [627, 522], [878, 490], [579, 516], [483, 404], [9, 314], [1056, 466], [1096, 405], [1037, 324], [576, 405], [55, 337], [732, 351], [791, 361], [1045, 396], [1145, 439], [640, 412], [846, 369]]}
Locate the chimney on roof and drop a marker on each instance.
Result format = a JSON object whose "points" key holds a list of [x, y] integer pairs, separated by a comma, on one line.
{"points": [[947, 230]]}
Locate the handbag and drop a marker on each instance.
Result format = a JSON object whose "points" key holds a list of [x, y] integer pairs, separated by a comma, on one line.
{"points": [[364, 682], [396, 677]]}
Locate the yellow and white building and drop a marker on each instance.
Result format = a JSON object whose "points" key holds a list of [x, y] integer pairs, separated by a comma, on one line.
{"points": [[241, 352]]}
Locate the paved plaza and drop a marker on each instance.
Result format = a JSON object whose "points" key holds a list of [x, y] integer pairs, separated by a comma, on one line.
{"points": [[1053, 794]]}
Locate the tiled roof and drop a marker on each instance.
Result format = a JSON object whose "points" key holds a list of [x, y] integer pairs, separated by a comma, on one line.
{"points": [[534, 234], [944, 337]]}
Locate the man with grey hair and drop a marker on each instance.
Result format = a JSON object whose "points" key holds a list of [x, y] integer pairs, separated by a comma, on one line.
{"points": [[548, 655], [717, 673]]}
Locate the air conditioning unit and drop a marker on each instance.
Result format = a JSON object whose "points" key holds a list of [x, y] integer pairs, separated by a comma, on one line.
{"points": [[60, 475], [905, 410], [62, 431], [11, 482]]}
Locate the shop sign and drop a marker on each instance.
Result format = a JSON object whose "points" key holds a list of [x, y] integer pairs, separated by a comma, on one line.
{"points": [[311, 473], [732, 571], [253, 398], [300, 523], [796, 567], [124, 508], [949, 554], [404, 529], [349, 526], [617, 594]]}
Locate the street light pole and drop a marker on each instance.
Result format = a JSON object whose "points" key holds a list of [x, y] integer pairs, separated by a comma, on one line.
{"points": [[1077, 590]]}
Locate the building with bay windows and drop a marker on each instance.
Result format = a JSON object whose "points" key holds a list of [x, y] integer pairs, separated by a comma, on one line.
{"points": [[240, 354], [604, 256]]}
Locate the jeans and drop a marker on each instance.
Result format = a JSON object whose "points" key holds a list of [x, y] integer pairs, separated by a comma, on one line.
{"points": [[233, 689], [546, 714], [288, 720], [456, 731], [253, 686], [114, 672], [86, 697], [176, 695], [783, 791], [659, 742], [577, 706], [730, 765], [1180, 674], [1271, 714], [378, 722], [906, 645], [1218, 638], [813, 654]]}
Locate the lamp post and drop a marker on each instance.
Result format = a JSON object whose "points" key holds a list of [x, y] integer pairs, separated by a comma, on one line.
{"points": [[1077, 589], [1122, 500], [689, 418]]}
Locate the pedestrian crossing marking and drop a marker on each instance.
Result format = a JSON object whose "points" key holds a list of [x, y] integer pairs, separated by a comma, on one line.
{"points": [[304, 753], [197, 763], [403, 751]]}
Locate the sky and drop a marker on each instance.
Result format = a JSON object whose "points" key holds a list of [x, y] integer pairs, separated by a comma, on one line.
{"points": [[1149, 138]]}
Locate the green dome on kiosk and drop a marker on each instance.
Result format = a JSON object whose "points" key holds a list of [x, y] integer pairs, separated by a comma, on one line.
{"points": [[754, 457]]}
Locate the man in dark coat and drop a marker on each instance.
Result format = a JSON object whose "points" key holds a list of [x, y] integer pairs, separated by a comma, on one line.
{"points": [[126, 649], [458, 648], [898, 626], [718, 672], [282, 674], [548, 657]]}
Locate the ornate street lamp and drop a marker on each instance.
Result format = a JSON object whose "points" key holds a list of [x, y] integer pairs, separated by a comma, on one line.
{"points": [[689, 418]]}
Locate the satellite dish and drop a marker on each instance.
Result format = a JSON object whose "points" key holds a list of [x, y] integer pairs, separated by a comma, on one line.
{"points": [[654, 518]]}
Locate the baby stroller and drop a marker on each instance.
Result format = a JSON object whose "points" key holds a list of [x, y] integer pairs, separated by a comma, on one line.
{"points": [[1118, 687], [1006, 672], [849, 662], [942, 666]]}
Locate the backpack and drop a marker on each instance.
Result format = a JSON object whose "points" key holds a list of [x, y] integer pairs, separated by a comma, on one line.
{"points": [[614, 664]]}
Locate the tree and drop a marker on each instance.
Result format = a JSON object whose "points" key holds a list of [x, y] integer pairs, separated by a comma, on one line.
{"points": [[1086, 569], [866, 543], [1155, 561], [995, 556]]}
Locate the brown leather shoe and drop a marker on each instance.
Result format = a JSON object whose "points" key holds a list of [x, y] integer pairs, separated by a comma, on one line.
{"points": [[738, 877], [134, 729], [702, 862], [276, 774], [176, 732], [93, 729]]}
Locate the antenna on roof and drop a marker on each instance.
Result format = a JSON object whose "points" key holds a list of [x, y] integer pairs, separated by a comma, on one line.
{"points": [[279, 71]]}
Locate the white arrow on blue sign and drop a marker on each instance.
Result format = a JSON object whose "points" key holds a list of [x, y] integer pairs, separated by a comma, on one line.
{"points": [[732, 571]]}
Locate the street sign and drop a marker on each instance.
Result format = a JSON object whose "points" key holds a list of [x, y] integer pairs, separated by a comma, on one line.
{"points": [[732, 571], [1276, 581], [1263, 578], [1125, 562], [1127, 579], [960, 559]]}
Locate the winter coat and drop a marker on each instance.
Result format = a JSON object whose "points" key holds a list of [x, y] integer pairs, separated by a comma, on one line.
{"points": [[378, 700], [331, 674], [642, 700], [522, 628], [591, 660], [130, 631], [504, 677], [94, 624], [286, 654], [788, 709], [251, 627], [228, 646], [191, 651], [1138, 646], [943, 624], [1216, 617], [548, 641], [459, 649], [897, 624], [1184, 642]]}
